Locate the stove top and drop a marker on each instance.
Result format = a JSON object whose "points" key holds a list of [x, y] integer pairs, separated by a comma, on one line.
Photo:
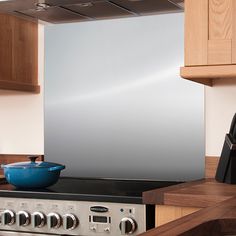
{"points": [[85, 189]]}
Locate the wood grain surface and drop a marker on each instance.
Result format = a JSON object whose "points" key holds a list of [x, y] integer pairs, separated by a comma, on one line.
{"points": [[220, 32], [220, 19], [18, 54], [207, 74], [211, 164], [166, 214], [196, 32], [210, 40], [216, 220], [11, 85], [203, 193], [234, 32], [219, 52], [157, 196]]}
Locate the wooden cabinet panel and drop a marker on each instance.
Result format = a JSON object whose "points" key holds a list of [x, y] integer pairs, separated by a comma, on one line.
{"points": [[166, 214], [219, 52], [210, 32], [18, 54], [5, 48], [234, 32], [211, 164], [220, 19], [196, 32], [206, 74], [220, 32], [25, 52], [234, 51], [210, 40]]}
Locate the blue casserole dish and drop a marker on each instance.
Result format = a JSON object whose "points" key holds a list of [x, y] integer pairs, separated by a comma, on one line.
{"points": [[32, 174]]}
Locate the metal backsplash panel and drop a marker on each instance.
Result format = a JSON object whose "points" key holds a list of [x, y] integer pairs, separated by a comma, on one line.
{"points": [[115, 105]]}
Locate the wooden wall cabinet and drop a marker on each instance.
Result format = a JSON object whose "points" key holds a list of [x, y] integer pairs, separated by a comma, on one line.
{"points": [[18, 54], [210, 40]]}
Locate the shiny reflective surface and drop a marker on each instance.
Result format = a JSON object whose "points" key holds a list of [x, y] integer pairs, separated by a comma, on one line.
{"points": [[75, 216], [59, 11], [115, 105]]}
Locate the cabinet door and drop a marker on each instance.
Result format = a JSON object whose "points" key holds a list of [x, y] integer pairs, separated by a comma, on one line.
{"points": [[234, 32], [196, 32], [210, 32], [220, 32], [5, 47], [18, 54], [25, 52]]}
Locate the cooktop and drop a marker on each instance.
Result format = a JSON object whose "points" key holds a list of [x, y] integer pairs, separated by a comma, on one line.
{"points": [[88, 189]]}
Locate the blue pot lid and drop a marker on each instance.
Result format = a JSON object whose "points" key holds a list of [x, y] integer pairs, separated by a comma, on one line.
{"points": [[36, 164]]}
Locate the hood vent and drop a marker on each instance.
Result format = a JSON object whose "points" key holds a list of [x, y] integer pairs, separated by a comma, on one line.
{"points": [[62, 11]]}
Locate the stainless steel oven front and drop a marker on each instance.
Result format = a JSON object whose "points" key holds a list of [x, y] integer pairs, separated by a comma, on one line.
{"points": [[7, 233], [28, 217]]}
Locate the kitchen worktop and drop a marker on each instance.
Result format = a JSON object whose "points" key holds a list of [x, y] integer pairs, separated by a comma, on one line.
{"points": [[218, 216], [216, 220], [201, 193]]}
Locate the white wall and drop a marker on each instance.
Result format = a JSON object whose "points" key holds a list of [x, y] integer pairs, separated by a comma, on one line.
{"points": [[220, 106], [21, 116]]}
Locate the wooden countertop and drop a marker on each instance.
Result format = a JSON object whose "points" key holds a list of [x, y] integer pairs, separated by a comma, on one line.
{"points": [[218, 216], [202, 193], [216, 220]]}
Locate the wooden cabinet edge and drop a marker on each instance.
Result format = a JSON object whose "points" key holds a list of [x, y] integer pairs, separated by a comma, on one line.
{"points": [[206, 74], [6, 85], [211, 163], [165, 213], [19, 54]]}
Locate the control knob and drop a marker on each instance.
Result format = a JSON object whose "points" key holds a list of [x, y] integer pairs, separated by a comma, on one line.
{"points": [[8, 217], [38, 220], [127, 226], [70, 221], [53, 220], [22, 218]]}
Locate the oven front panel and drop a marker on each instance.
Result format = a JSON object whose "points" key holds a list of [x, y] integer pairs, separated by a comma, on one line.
{"points": [[82, 218]]}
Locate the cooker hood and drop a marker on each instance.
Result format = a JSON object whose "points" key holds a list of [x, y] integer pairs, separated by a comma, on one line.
{"points": [[63, 11]]}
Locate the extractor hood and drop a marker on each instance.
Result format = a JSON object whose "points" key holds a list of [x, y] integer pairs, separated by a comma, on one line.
{"points": [[62, 11]]}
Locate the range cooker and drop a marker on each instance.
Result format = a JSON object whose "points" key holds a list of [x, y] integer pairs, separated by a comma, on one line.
{"points": [[78, 206]]}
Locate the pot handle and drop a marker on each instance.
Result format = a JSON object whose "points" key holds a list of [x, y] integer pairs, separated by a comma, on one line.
{"points": [[33, 158], [56, 168]]}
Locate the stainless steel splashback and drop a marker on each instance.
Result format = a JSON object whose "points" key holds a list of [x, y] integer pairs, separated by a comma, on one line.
{"points": [[115, 105]]}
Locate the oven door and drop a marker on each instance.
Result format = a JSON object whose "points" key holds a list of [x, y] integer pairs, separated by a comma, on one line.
{"points": [[8, 233]]}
